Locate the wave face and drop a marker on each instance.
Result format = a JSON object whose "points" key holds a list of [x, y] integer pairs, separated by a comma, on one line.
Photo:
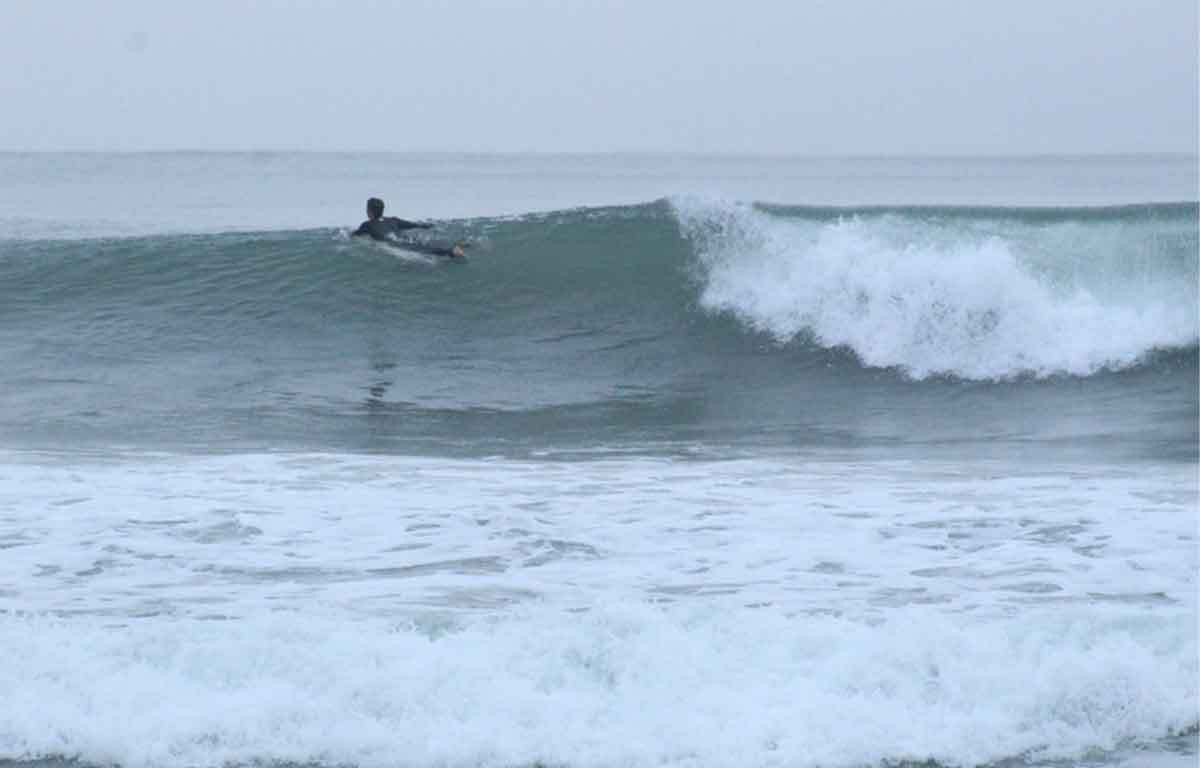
{"points": [[672, 320]]}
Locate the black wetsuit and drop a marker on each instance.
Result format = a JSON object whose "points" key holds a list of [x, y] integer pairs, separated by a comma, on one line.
{"points": [[381, 228]]}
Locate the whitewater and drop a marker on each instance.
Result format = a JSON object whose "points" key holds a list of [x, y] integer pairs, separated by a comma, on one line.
{"points": [[696, 461]]}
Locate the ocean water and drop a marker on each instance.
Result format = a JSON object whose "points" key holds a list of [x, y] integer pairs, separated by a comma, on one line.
{"points": [[695, 461]]}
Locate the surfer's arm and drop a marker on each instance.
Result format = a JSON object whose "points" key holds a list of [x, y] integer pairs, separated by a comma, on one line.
{"points": [[362, 231], [400, 224]]}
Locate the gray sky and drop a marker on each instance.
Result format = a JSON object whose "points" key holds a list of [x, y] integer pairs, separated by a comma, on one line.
{"points": [[763, 76]]}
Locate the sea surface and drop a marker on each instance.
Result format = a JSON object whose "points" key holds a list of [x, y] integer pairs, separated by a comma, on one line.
{"points": [[708, 462]]}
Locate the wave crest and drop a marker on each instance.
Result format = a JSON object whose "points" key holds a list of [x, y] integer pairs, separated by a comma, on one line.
{"points": [[936, 296]]}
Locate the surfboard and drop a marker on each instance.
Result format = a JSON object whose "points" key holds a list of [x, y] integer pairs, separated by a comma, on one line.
{"points": [[456, 251]]}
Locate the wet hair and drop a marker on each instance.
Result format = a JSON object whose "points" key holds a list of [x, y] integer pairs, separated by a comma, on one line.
{"points": [[374, 208]]}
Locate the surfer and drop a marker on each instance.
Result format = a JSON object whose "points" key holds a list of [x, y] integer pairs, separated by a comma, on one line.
{"points": [[380, 227]]}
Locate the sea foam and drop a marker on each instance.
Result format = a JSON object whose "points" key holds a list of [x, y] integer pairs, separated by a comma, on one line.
{"points": [[209, 611], [931, 297], [630, 685]]}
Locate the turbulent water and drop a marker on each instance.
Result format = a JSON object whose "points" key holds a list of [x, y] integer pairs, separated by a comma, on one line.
{"points": [[693, 482]]}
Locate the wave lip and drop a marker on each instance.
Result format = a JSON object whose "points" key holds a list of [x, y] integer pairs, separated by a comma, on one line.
{"points": [[972, 297]]}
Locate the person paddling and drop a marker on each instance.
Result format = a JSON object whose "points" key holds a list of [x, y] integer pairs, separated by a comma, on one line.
{"points": [[380, 227]]}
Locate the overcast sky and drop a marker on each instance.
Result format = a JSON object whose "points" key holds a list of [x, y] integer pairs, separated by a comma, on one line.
{"points": [[758, 76]]}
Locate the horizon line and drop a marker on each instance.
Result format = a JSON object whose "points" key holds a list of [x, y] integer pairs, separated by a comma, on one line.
{"points": [[618, 153]]}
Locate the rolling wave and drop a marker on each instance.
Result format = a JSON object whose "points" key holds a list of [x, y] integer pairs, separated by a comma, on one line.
{"points": [[987, 293], [671, 321]]}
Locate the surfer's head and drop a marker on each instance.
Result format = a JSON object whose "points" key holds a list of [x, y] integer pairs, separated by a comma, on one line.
{"points": [[374, 208]]}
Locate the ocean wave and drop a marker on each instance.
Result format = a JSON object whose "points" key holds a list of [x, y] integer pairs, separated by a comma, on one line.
{"points": [[623, 304], [991, 295]]}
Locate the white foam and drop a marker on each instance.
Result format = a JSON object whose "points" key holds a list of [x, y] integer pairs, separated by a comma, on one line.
{"points": [[642, 612], [625, 685], [926, 300]]}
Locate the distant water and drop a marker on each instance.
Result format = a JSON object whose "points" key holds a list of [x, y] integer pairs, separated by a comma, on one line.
{"points": [[696, 461]]}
